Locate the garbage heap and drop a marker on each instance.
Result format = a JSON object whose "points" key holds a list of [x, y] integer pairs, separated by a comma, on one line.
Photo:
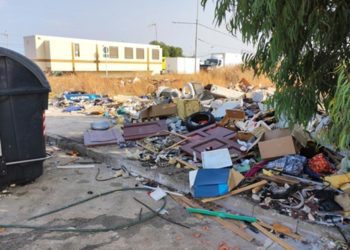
{"points": [[230, 142]]}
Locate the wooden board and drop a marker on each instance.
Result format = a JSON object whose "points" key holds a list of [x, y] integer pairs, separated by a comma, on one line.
{"points": [[142, 130], [211, 142], [290, 234], [273, 237], [237, 191]]}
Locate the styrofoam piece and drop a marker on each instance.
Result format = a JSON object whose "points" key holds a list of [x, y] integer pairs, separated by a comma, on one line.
{"points": [[225, 92], [192, 177], [221, 111], [158, 194], [219, 158]]}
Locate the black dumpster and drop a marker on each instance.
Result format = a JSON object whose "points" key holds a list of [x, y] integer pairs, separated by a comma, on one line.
{"points": [[23, 99]]}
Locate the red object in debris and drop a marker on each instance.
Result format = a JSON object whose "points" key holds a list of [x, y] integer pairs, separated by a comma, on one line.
{"points": [[319, 164], [142, 130], [256, 168]]}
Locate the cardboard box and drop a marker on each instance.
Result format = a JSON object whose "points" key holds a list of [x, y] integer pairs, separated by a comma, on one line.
{"points": [[276, 143], [186, 107], [232, 115], [159, 110], [215, 182]]}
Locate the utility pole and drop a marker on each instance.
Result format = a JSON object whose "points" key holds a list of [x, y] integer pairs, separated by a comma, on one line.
{"points": [[155, 29], [196, 40]]}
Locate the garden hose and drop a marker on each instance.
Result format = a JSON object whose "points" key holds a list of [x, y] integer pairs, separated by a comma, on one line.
{"points": [[139, 220]]}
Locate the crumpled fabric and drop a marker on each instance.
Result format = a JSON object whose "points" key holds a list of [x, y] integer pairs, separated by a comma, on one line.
{"points": [[291, 164], [319, 164]]}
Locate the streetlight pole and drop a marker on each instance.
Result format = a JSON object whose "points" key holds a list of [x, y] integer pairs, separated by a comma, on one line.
{"points": [[155, 29]]}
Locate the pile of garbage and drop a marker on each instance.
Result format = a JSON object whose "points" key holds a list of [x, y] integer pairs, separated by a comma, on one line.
{"points": [[231, 142]]}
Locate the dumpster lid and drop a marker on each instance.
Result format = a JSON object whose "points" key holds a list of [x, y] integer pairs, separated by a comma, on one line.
{"points": [[28, 64]]}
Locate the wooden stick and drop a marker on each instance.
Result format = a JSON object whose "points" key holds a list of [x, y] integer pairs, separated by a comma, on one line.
{"points": [[186, 163], [268, 226], [176, 144], [235, 229], [179, 135], [273, 237], [147, 148], [182, 201], [279, 179], [237, 191]]}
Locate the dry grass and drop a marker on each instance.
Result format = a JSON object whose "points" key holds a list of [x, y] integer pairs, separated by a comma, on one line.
{"points": [[145, 84]]}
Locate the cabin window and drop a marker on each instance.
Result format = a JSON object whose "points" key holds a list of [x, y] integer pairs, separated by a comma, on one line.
{"points": [[129, 53], [140, 53], [76, 50], [155, 54], [113, 52]]}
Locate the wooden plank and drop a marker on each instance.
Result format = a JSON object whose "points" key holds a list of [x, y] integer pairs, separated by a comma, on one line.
{"points": [[213, 142], [279, 179], [179, 135], [186, 163], [181, 201], [146, 147], [236, 229], [145, 129], [176, 144], [273, 237], [237, 191], [268, 226]]}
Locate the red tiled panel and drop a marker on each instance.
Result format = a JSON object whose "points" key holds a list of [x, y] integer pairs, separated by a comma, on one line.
{"points": [[213, 129], [137, 131], [213, 142]]}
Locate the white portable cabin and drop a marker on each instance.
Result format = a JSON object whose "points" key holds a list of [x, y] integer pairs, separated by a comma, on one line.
{"points": [[70, 54], [182, 65]]}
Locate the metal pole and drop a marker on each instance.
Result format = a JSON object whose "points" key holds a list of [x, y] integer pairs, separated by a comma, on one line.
{"points": [[155, 26], [196, 40]]}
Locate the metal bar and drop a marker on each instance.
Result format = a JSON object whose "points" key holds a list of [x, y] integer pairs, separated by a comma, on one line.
{"points": [[29, 160]]}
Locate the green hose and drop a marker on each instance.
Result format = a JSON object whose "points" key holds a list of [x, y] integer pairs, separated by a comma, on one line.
{"points": [[222, 215], [89, 230]]}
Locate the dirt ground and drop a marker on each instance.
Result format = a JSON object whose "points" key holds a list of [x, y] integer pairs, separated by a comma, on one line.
{"points": [[141, 83]]}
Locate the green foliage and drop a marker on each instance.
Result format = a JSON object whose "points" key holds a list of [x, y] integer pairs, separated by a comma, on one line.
{"points": [[299, 44], [339, 107], [168, 50]]}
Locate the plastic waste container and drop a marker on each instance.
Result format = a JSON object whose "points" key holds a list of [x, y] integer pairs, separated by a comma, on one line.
{"points": [[23, 100]]}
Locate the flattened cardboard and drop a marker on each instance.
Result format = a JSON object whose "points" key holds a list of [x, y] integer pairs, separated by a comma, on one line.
{"points": [[159, 110], [276, 143]]}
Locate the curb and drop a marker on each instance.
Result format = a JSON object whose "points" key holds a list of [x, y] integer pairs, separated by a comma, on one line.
{"points": [[177, 179]]}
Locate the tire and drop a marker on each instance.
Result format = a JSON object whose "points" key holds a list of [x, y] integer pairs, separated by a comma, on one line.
{"points": [[199, 120]]}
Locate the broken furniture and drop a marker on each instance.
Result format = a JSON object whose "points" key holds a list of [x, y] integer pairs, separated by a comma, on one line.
{"points": [[135, 131]]}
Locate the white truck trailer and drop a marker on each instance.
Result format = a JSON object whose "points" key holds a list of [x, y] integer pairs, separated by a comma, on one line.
{"points": [[217, 60]]}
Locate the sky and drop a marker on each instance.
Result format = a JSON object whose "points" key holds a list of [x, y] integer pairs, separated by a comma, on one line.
{"points": [[117, 20]]}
